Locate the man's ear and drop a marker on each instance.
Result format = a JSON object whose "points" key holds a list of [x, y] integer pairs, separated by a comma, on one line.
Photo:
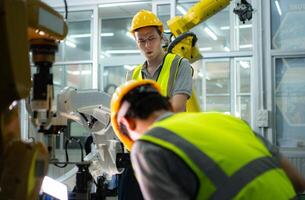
{"points": [[130, 123]]}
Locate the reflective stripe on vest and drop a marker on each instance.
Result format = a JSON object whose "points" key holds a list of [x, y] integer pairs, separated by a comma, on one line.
{"points": [[225, 186], [167, 75]]}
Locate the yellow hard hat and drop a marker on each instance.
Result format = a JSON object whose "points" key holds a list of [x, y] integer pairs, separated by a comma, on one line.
{"points": [[145, 18], [116, 102]]}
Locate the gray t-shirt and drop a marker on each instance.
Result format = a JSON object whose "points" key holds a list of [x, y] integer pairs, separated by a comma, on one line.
{"points": [[183, 82]]}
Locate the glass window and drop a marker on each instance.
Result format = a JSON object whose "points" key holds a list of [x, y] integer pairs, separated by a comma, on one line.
{"points": [[217, 77], [58, 80], [289, 101], [244, 32], [218, 92], [288, 28], [243, 90], [58, 75], [119, 52], [243, 76], [115, 24], [218, 104], [113, 76], [245, 36], [217, 85], [163, 11], [79, 76], [77, 45]]}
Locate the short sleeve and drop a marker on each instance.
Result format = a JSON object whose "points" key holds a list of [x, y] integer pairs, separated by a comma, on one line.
{"points": [[183, 82]]}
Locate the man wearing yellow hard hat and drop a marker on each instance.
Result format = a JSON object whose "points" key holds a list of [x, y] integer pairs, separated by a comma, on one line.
{"points": [[196, 155], [173, 73]]}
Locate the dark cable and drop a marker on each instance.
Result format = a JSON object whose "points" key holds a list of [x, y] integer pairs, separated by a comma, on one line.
{"points": [[67, 156], [66, 9], [80, 145], [69, 140], [88, 142]]}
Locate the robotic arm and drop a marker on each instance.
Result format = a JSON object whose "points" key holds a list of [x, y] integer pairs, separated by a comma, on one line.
{"points": [[195, 15], [184, 42], [90, 109]]}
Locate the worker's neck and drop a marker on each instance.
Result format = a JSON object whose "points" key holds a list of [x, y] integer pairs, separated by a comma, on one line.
{"points": [[154, 63], [146, 123], [157, 114], [142, 125]]}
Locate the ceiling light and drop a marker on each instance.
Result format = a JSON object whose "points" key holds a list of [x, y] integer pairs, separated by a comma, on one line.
{"points": [[80, 35], [128, 34], [205, 49], [129, 67], [77, 72], [278, 7], [107, 34], [244, 64], [210, 33], [123, 51], [242, 26], [120, 4], [70, 44], [219, 85], [245, 26], [226, 48], [181, 10], [245, 46], [105, 54], [224, 28]]}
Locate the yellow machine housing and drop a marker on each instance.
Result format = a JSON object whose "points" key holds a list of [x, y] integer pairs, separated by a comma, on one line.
{"points": [[185, 42], [195, 15], [22, 165], [180, 25]]}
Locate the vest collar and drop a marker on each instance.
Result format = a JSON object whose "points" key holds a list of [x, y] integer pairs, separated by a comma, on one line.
{"points": [[164, 116], [145, 71]]}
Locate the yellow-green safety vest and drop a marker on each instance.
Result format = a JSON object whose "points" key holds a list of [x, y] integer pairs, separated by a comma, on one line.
{"points": [[228, 159], [167, 74], [167, 77]]}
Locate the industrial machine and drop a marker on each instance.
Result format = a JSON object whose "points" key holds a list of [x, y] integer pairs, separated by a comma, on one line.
{"points": [[25, 25], [90, 108], [184, 42]]}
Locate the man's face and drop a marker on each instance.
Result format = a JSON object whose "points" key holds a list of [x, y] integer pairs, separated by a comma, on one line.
{"points": [[149, 42]]}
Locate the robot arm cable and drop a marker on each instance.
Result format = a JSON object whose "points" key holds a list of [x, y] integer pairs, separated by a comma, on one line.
{"points": [[69, 140], [66, 9]]}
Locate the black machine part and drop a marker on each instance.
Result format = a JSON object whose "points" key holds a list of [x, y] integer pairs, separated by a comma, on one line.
{"points": [[243, 10]]}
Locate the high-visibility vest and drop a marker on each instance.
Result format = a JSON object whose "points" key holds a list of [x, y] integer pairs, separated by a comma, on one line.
{"points": [[228, 159], [167, 77]]}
